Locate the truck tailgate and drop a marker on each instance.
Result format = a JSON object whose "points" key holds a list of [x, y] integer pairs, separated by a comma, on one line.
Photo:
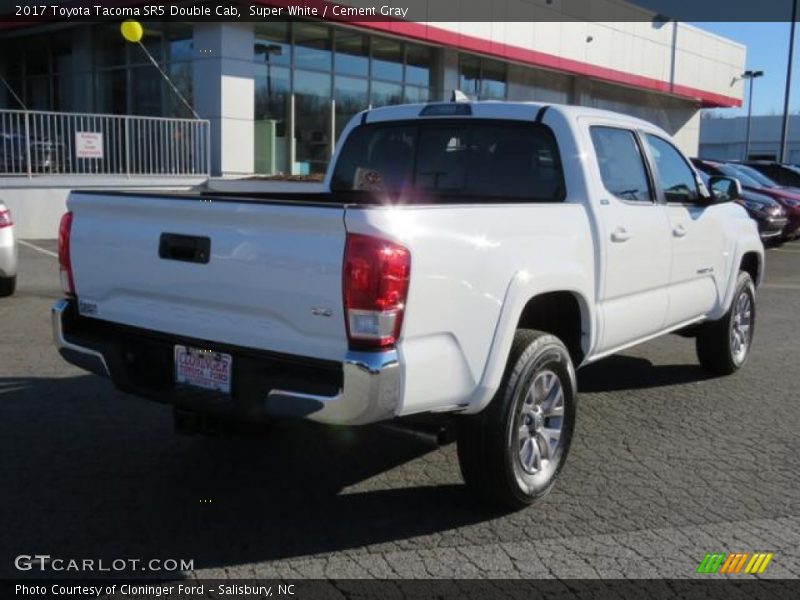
{"points": [[272, 278]]}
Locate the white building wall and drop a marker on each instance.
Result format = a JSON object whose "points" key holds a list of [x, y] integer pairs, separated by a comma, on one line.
{"points": [[539, 85], [724, 138], [683, 58], [688, 136], [224, 92], [677, 117]]}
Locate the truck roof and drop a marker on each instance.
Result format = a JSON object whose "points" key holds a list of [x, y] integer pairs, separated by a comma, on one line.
{"points": [[490, 109]]}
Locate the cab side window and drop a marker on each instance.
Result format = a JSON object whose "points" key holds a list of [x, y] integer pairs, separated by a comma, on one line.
{"points": [[675, 177], [621, 164]]}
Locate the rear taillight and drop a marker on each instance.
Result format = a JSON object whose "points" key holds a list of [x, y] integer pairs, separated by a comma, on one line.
{"points": [[5, 219], [376, 274], [64, 262]]}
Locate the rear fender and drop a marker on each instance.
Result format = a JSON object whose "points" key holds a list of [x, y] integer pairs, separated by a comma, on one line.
{"points": [[521, 290]]}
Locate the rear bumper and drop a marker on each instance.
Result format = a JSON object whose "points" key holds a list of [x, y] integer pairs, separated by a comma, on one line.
{"points": [[364, 388]]}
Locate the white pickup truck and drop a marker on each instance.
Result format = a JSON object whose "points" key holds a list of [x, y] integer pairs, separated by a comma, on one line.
{"points": [[464, 258]]}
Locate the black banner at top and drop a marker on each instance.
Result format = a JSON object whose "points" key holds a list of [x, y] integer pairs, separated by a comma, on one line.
{"points": [[654, 11]]}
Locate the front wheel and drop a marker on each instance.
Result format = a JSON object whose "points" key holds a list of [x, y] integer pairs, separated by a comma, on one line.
{"points": [[511, 453], [723, 346]]}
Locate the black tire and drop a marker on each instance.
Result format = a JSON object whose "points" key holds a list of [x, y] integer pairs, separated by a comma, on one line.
{"points": [[490, 448], [7, 285], [719, 342]]}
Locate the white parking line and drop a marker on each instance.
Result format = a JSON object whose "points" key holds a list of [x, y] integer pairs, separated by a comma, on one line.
{"points": [[786, 250], [35, 247]]}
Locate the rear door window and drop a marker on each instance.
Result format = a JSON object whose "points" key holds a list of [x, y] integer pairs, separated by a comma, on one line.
{"points": [[622, 166], [446, 160]]}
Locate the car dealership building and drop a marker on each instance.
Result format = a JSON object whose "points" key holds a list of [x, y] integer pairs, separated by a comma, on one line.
{"points": [[274, 95], [278, 93]]}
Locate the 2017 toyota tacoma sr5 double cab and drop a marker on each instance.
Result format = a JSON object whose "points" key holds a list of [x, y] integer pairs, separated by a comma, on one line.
{"points": [[464, 258]]}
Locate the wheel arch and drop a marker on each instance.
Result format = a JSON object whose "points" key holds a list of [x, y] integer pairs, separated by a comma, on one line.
{"points": [[561, 308], [749, 257], [751, 262]]}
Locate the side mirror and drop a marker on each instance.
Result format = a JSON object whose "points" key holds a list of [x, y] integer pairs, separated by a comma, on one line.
{"points": [[725, 189]]}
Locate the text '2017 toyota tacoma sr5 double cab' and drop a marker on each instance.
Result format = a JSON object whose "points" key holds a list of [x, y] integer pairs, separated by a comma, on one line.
{"points": [[465, 258]]}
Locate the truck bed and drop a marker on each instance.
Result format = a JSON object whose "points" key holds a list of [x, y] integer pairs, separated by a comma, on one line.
{"points": [[268, 274]]}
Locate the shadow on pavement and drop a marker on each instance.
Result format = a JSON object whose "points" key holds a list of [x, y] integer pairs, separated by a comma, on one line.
{"points": [[89, 472], [621, 372]]}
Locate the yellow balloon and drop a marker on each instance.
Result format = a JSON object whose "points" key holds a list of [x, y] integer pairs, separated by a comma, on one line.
{"points": [[132, 31]]}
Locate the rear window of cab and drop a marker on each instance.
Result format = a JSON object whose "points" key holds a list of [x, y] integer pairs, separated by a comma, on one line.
{"points": [[451, 161]]}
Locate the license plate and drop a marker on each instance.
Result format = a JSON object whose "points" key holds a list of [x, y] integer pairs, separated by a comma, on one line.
{"points": [[205, 369]]}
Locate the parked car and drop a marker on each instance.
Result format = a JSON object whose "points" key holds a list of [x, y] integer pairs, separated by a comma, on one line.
{"points": [[782, 174], [46, 156], [13, 156], [8, 253], [464, 258], [768, 214], [753, 181]]}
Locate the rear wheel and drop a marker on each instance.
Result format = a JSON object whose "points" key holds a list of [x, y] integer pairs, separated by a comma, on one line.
{"points": [[8, 285], [723, 346], [511, 453]]}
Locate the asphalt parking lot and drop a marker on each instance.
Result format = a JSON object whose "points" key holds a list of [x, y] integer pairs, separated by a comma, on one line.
{"points": [[667, 465]]}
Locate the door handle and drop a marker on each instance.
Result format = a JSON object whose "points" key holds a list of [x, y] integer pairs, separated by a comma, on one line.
{"points": [[680, 231], [620, 234], [186, 248]]}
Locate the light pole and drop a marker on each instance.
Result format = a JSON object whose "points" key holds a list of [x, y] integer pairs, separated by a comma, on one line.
{"points": [[751, 75], [787, 92]]}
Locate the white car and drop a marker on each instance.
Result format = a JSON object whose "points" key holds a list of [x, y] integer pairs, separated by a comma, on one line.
{"points": [[466, 258], [8, 253]]}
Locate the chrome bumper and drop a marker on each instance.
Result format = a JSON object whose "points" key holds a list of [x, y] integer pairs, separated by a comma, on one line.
{"points": [[85, 358], [370, 391]]}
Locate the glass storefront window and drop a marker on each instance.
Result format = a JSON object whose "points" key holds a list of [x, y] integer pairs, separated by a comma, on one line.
{"points": [[312, 103], [64, 93], [493, 80], [111, 91], [312, 46], [37, 60], [387, 59], [272, 94], [272, 44], [37, 93], [270, 130], [352, 54], [350, 94], [418, 65], [13, 59], [181, 75], [482, 78], [180, 42], [470, 76], [384, 93], [415, 94], [61, 53], [146, 92], [153, 40], [109, 47]]}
